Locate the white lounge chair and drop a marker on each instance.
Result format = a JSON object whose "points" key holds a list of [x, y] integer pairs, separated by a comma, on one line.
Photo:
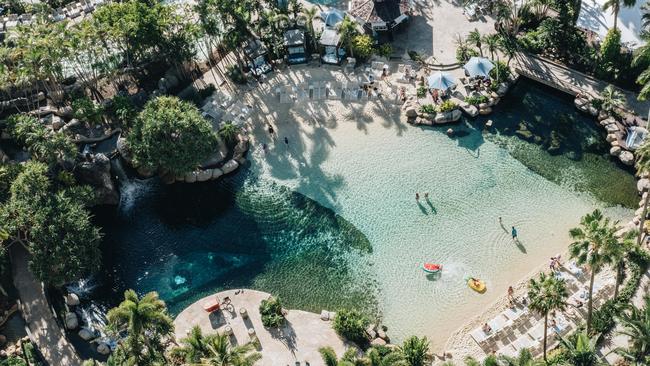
{"points": [[498, 323]]}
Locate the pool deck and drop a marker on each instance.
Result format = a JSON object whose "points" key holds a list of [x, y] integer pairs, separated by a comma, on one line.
{"points": [[297, 342]]}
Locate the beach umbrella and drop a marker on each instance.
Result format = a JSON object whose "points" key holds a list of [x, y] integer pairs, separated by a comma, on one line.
{"points": [[441, 81], [478, 66], [332, 17]]}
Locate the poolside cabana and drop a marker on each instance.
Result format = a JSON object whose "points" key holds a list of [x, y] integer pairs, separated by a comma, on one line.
{"points": [[296, 44], [330, 40], [256, 53], [380, 17], [332, 17], [441, 81]]}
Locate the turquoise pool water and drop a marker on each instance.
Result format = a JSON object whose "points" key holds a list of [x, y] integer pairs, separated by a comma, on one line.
{"points": [[331, 221]]}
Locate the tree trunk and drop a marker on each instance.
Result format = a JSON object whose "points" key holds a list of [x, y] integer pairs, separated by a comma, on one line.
{"points": [[619, 274], [616, 9], [589, 303], [642, 218], [545, 333]]}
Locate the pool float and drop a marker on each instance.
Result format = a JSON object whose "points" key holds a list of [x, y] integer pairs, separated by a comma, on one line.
{"points": [[478, 287], [432, 267]]}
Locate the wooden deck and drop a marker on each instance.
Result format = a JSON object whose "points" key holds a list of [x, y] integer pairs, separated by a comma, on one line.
{"points": [[569, 80]]}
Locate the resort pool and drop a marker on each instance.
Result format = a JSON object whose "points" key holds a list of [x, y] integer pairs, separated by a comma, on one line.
{"points": [[331, 220]]}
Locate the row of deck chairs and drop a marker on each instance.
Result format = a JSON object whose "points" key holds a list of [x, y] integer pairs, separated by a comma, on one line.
{"points": [[333, 90]]}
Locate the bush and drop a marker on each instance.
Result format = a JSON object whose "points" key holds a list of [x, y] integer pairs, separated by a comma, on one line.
{"points": [[86, 110], [610, 56], [503, 72], [271, 312], [30, 353], [464, 53], [428, 108], [362, 45], [351, 325], [476, 99], [13, 361], [385, 50], [422, 91], [447, 106], [415, 56], [235, 74], [123, 110]]}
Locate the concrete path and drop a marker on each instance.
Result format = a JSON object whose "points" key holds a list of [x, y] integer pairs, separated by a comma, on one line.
{"points": [[297, 342], [568, 80], [43, 329]]}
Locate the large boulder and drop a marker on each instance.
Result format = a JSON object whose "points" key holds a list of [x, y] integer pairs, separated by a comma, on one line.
{"points": [[86, 334], [615, 151], [610, 137], [204, 175], [643, 184], [626, 157], [72, 299], [124, 150], [96, 172], [71, 321], [230, 166], [191, 177], [611, 128], [378, 342], [103, 348], [216, 173], [411, 112]]}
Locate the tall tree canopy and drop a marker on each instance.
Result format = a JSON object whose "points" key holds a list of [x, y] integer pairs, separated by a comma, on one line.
{"points": [[170, 135]]}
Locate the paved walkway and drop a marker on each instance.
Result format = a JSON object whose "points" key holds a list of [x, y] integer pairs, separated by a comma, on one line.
{"points": [[297, 342], [43, 329], [568, 80]]}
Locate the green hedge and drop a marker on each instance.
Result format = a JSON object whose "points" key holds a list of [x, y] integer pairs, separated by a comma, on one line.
{"points": [[603, 318]]}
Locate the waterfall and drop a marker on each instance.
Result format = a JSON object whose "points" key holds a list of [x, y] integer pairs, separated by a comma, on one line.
{"points": [[130, 188]]}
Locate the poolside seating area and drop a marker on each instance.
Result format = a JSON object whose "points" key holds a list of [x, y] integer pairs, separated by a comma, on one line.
{"points": [[517, 327], [72, 12]]}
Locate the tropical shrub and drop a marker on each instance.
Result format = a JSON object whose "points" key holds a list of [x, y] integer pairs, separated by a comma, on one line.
{"points": [[464, 53], [428, 108], [447, 106], [422, 91], [476, 99], [13, 361], [86, 110], [362, 45], [123, 110], [416, 351], [271, 312], [610, 55], [384, 50], [500, 69], [351, 325], [171, 135], [43, 145], [228, 132]]}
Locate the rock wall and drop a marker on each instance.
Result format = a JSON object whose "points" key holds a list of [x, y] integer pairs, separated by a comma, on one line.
{"points": [[96, 172]]}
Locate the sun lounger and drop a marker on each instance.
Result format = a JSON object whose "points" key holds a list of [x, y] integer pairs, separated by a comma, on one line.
{"points": [[212, 304], [537, 332], [523, 342], [498, 323], [507, 350], [479, 335], [514, 313]]}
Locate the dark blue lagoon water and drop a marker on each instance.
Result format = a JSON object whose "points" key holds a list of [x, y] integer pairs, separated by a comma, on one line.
{"points": [[186, 241]]}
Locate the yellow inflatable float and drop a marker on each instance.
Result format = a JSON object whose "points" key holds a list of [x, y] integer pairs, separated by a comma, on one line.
{"points": [[476, 285]]}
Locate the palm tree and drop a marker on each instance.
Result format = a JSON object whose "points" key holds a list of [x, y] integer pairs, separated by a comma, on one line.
{"points": [[508, 46], [525, 358], [593, 240], [615, 6], [541, 7], [228, 132], [310, 14], [349, 358], [492, 43], [194, 347], [612, 98], [222, 353], [474, 37], [146, 322], [490, 360], [643, 165], [348, 30], [581, 349], [546, 294], [619, 253], [415, 351], [384, 356], [636, 325]]}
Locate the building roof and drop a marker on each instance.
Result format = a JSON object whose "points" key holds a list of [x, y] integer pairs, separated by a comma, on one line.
{"points": [[330, 37], [373, 11], [294, 37], [254, 48]]}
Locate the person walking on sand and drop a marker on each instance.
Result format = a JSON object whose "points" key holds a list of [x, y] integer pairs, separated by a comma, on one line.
{"points": [[426, 195], [514, 233], [511, 293]]}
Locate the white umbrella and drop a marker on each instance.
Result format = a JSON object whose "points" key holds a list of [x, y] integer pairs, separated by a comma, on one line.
{"points": [[478, 66], [441, 81]]}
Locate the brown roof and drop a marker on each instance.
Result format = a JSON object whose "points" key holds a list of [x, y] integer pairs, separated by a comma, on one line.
{"points": [[378, 10]]}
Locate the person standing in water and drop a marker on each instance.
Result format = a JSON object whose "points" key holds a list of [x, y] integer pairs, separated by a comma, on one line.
{"points": [[286, 141], [417, 196], [514, 233]]}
